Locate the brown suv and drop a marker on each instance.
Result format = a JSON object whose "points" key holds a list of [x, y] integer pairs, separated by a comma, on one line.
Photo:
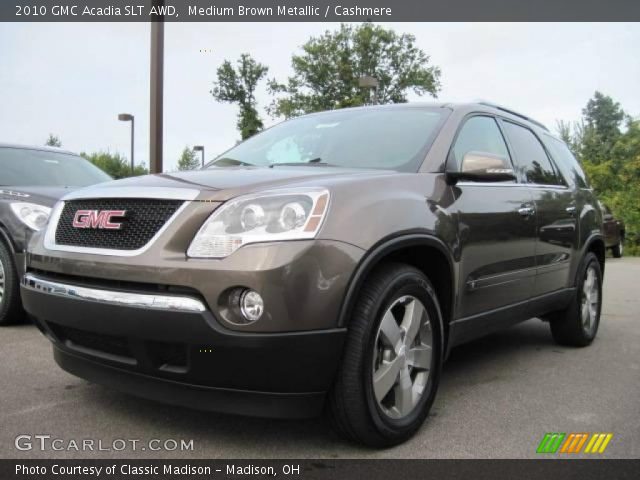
{"points": [[334, 259]]}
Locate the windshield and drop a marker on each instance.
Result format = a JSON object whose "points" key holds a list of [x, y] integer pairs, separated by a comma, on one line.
{"points": [[390, 139], [21, 166]]}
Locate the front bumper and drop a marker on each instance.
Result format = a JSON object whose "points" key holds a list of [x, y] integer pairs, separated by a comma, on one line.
{"points": [[183, 355], [303, 283], [160, 325]]}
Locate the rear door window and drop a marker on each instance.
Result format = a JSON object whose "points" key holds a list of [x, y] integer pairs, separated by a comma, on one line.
{"points": [[530, 156]]}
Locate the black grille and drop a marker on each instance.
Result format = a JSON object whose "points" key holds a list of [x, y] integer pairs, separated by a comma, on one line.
{"points": [[142, 220]]}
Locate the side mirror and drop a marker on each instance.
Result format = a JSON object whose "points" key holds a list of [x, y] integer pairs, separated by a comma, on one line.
{"points": [[483, 167]]}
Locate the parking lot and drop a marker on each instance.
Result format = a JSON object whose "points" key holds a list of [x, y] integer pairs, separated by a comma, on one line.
{"points": [[498, 398]]}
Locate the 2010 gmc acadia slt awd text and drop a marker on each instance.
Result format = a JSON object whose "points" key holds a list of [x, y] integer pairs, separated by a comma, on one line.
{"points": [[332, 260]]}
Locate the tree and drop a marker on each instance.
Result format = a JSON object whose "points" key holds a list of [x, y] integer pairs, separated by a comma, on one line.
{"points": [[602, 119], [327, 71], [188, 160], [604, 116], [564, 131], [617, 182], [239, 86], [53, 141], [114, 164], [610, 155], [571, 134]]}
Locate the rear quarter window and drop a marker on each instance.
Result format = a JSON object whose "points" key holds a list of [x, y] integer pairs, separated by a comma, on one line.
{"points": [[566, 162]]}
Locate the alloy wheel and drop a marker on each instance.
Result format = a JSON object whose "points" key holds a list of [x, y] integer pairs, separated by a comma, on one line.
{"points": [[590, 300], [402, 357]]}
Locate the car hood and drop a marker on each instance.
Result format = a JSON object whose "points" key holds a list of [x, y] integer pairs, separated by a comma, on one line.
{"points": [[220, 184], [47, 196]]}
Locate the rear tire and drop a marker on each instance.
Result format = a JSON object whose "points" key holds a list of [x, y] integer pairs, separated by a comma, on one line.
{"points": [[391, 366], [577, 326], [618, 250], [10, 305]]}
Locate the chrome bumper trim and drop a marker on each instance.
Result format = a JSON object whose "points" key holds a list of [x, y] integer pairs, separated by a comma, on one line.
{"points": [[141, 300]]}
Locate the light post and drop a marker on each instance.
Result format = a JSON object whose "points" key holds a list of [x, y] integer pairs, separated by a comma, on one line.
{"points": [[127, 117], [367, 81], [200, 148], [156, 89]]}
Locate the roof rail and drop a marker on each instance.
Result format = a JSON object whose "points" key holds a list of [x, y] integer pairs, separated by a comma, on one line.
{"points": [[513, 112]]}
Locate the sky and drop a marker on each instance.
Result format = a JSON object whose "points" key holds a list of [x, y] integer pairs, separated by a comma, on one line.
{"points": [[73, 79]]}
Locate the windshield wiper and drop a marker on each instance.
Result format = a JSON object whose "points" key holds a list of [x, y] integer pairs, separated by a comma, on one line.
{"points": [[309, 163]]}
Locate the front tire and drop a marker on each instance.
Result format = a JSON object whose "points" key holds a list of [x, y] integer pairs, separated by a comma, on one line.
{"points": [[618, 250], [393, 357], [577, 326], [10, 305]]}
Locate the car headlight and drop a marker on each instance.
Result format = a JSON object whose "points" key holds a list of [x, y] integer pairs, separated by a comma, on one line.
{"points": [[32, 215], [265, 217]]}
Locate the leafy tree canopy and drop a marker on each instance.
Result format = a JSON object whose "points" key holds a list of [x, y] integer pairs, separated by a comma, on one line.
{"points": [[602, 120], [238, 85], [327, 71], [188, 160], [53, 141], [609, 150]]}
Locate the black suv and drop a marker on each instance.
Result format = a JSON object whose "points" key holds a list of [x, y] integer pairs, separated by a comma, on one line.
{"points": [[331, 259], [32, 179]]}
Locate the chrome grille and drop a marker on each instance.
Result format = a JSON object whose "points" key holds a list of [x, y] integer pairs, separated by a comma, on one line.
{"points": [[142, 220]]}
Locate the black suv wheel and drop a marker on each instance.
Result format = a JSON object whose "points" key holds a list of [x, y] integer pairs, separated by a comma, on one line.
{"points": [[578, 325], [10, 306], [392, 361]]}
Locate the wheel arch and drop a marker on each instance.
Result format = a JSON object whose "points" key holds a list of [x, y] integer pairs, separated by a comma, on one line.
{"points": [[4, 237], [434, 260], [596, 245]]}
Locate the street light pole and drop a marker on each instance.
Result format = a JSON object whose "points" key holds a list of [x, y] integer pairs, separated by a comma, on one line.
{"points": [[156, 93], [200, 148], [127, 117]]}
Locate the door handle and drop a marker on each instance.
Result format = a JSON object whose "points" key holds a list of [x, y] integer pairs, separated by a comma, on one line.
{"points": [[571, 210], [526, 211]]}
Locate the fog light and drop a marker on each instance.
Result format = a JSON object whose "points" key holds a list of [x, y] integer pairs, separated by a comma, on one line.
{"points": [[251, 305]]}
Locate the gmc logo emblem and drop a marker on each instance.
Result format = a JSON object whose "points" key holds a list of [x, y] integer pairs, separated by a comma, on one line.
{"points": [[100, 219]]}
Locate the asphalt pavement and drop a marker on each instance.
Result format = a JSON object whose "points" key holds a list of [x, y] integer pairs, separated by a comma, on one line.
{"points": [[498, 397]]}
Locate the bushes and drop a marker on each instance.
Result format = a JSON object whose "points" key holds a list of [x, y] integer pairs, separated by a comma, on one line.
{"points": [[114, 164]]}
